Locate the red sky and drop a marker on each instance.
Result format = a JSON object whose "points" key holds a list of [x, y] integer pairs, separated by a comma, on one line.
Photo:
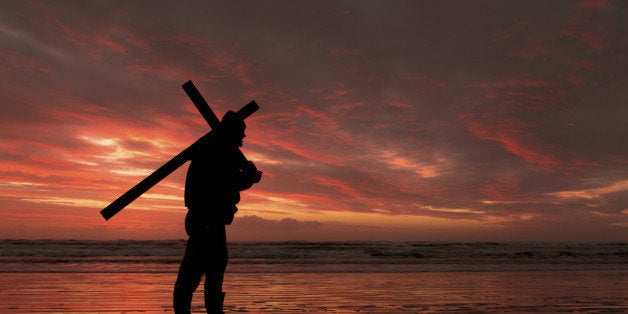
{"points": [[379, 120]]}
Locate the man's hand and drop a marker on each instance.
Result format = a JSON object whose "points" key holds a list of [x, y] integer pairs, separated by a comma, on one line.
{"points": [[251, 173]]}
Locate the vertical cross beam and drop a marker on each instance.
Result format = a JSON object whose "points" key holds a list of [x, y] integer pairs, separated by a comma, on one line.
{"points": [[176, 162], [200, 104], [209, 115]]}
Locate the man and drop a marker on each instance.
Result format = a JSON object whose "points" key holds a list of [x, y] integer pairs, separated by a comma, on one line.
{"points": [[212, 189]]}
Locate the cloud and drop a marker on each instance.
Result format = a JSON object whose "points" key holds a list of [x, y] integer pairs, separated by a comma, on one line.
{"points": [[480, 118], [515, 138]]}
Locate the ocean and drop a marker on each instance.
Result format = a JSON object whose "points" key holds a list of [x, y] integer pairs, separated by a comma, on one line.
{"points": [[70, 276], [163, 256]]}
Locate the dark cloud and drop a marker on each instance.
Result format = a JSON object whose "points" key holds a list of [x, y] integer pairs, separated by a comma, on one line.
{"points": [[470, 112]]}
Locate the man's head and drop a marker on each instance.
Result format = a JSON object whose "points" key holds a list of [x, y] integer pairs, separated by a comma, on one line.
{"points": [[233, 128]]}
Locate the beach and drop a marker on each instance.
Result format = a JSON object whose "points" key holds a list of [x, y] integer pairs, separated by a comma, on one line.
{"points": [[566, 291], [90, 282]]}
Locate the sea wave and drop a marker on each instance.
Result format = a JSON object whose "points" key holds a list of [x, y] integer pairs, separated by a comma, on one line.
{"points": [[356, 256]]}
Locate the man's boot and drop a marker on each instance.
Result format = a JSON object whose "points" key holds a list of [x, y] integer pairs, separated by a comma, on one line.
{"points": [[214, 302], [182, 302]]}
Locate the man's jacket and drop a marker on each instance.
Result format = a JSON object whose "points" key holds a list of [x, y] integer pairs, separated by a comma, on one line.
{"points": [[213, 184]]}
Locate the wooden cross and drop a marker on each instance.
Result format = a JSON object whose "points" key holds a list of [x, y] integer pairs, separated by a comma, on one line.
{"points": [[178, 160]]}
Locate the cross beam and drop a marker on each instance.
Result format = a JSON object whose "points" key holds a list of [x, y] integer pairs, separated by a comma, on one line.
{"points": [[176, 162]]}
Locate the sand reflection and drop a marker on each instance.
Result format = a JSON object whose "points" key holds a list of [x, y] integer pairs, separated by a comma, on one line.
{"points": [[546, 291]]}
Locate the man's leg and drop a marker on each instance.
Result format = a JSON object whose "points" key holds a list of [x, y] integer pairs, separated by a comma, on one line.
{"points": [[188, 279], [214, 297]]}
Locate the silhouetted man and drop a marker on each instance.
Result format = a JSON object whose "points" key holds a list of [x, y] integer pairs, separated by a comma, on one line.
{"points": [[212, 189]]}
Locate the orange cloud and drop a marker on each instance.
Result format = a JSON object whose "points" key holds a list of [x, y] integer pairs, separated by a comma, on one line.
{"points": [[508, 127]]}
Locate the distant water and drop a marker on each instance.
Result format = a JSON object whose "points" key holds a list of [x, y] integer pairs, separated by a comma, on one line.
{"points": [[78, 256]]}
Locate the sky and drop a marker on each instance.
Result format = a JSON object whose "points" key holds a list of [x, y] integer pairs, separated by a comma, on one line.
{"points": [[379, 120]]}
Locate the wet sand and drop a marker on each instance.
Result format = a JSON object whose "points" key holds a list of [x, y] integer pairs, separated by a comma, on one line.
{"points": [[536, 291]]}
